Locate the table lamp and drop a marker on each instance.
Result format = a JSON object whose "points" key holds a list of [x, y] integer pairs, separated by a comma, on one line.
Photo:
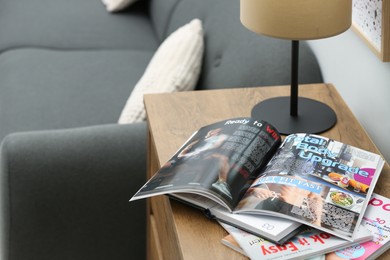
{"points": [[296, 20]]}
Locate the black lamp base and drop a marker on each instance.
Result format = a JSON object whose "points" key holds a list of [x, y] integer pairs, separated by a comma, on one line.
{"points": [[313, 116]]}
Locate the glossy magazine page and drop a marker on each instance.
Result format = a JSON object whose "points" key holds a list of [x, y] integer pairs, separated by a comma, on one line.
{"points": [[316, 181], [377, 220], [219, 162]]}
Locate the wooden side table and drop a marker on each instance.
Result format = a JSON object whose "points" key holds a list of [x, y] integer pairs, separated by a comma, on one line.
{"points": [[178, 231]]}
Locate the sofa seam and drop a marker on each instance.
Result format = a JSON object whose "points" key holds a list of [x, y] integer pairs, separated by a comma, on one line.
{"points": [[86, 49], [165, 31]]}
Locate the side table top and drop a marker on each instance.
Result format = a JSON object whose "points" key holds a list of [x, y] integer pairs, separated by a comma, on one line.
{"points": [[173, 117]]}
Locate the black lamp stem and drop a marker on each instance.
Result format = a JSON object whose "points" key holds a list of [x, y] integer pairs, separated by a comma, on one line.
{"points": [[294, 78], [314, 116]]}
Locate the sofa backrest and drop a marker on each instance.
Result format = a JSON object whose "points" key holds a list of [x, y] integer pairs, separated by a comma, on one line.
{"points": [[234, 56], [160, 12]]}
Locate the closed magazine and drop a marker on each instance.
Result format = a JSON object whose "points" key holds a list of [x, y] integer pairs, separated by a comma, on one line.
{"points": [[309, 243]]}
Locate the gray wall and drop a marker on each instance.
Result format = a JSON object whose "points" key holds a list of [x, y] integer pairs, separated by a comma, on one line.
{"points": [[362, 79]]}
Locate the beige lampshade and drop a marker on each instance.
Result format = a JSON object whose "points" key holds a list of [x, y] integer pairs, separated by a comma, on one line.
{"points": [[297, 19]]}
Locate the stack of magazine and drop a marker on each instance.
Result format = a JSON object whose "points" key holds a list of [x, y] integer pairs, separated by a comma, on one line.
{"points": [[307, 188], [314, 245]]}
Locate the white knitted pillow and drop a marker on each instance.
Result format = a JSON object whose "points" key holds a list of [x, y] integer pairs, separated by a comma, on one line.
{"points": [[174, 67], [117, 5]]}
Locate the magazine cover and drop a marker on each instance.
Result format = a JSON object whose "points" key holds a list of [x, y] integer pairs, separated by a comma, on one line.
{"points": [[317, 181], [309, 243]]}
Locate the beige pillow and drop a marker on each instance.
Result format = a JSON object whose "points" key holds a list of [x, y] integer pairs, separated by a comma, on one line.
{"points": [[174, 67], [117, 5]]}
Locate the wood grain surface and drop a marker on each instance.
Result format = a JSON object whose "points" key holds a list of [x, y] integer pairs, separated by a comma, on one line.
{"points": [[177, 231]]}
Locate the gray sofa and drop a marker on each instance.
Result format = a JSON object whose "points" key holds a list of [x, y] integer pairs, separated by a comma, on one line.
{"points": [[66, 70]]}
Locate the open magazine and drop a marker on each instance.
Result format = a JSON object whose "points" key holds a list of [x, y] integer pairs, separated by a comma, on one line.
{"points": [[242, 165]]}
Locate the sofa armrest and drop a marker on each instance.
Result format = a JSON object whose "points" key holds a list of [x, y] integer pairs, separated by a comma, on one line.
{"points": [[65, 193]]}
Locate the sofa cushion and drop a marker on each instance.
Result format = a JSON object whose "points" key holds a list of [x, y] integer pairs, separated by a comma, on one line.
{"points": [[74, 24], [67, 88], [237, 57], [174, 67]]}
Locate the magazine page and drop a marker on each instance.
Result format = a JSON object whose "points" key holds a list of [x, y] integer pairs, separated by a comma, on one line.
{"points": [[219, 161], [277, 230], [317, 181], [377, 220]]}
